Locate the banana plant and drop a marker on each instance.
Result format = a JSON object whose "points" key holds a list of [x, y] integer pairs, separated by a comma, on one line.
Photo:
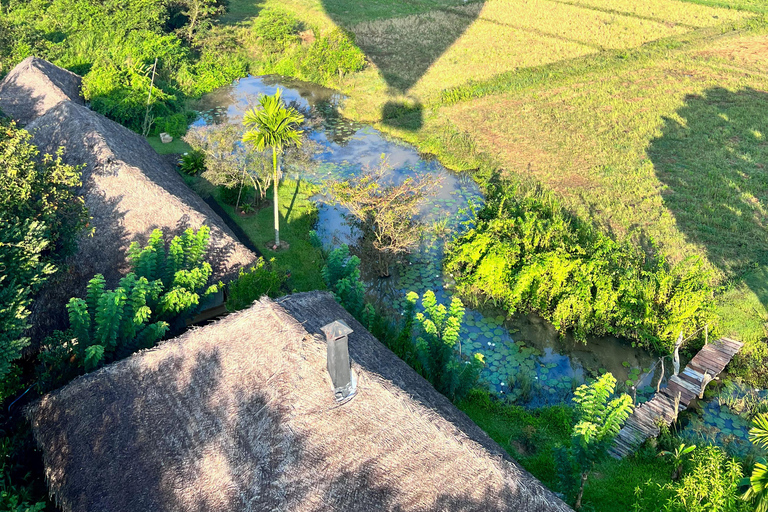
{"points": [[678, 456]]}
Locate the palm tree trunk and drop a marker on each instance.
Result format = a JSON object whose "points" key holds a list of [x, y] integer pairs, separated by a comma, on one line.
{"points": [[274, 199]]}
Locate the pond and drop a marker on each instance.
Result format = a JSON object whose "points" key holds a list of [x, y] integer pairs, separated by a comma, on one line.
{"points": [[525, 356]]}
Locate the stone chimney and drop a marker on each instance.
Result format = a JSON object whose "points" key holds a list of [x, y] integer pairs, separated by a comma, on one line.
{"points": [[344, 382]]}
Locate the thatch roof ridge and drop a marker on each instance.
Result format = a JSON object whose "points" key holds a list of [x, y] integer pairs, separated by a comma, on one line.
{"points": [[129, 190], [239, 415], [34, 86]]}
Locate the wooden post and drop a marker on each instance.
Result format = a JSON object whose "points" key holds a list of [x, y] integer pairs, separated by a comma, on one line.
{"points": [[661, 377], [706, 380], [677, 407], [706, 335]]}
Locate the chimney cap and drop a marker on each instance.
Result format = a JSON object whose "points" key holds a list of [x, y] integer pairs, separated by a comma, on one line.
{"points": [[335, 330]]}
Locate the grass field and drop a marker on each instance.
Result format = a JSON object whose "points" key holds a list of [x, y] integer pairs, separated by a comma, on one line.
{"points": [[649, 118]]}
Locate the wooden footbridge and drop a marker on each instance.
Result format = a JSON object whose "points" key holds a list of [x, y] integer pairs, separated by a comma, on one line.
{"points": [[680, 391]]}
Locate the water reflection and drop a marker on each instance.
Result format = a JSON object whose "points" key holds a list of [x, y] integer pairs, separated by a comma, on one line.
{"points": [[526, 358]]}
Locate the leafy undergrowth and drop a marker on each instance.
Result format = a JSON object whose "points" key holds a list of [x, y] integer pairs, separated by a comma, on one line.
{"points": [[531, 436]]}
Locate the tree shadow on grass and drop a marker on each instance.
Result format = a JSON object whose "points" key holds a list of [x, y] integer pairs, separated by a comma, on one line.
{"points": [[404, 39], [713, 158]]}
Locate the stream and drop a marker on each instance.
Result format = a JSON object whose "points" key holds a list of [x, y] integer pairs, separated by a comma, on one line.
{"points": [[526, 359]]}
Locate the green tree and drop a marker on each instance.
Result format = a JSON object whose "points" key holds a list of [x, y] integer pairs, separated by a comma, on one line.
{"points": [[385, 213], [758, 489], [438, 346], [599, 419], [274, 126], [113, 323], [40, 216]]}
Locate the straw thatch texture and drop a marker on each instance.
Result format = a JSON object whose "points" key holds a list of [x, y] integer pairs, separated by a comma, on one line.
{"points": [[239, 416], [129, 191], [34, 87]]}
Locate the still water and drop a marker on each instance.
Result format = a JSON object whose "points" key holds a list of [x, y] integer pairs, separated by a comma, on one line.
{"points": [[526, 358]]}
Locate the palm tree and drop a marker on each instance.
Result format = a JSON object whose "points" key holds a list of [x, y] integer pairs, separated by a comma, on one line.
{"points": [[273, 126], [759, 481]]}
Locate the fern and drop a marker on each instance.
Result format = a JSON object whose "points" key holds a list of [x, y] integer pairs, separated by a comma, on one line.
{"points": [[598, 422]]}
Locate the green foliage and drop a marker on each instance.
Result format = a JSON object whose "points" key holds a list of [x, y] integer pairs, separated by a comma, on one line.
{"points": [[341, 274], [165, 287], [114, 44], [526, 253], [758, 489], [599, 417], [193, 162], [113, 323], [14, 497], [438, 346], [711, 484], [180, 269], [276, 29], [39, 218], [333, 54], [253, 283]]}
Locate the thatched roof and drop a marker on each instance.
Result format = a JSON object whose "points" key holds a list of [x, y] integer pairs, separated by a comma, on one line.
{"points": [[34, 87], [129, 190], [239, 416]]}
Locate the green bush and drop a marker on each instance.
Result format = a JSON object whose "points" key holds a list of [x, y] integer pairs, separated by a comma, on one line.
{"points": [[165, 287], [230, 195], [711, 484], [526, 253], [438, 346], [276, 29], [40, 216], [192, 163], [332, 55], [341, 274], [175, 124], [253, 283]]}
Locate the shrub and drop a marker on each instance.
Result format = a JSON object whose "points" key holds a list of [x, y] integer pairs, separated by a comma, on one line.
{"points": [[597, 424], [253, 283], [276, 29], [174, 124], [438, 346], [192, 163], [165, 287], [331, 55], [711, 484], [528, 254], [341, 274], [40, 215]]}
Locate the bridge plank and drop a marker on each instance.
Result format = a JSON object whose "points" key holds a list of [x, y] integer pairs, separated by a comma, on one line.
{"points": [[642, 424]]}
